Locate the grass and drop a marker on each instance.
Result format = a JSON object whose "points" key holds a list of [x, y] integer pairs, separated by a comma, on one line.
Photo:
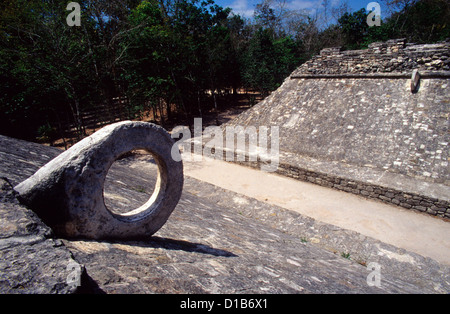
{"points": [[139, 189]]}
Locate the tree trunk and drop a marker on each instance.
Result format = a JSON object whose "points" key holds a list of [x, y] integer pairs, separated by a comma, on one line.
{"points": [[76, 114], [215, 106], [199, 104], [161, 112]]}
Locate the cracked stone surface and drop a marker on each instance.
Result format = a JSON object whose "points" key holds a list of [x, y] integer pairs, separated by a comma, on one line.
{"points": [[217, 241], [31, 261]]}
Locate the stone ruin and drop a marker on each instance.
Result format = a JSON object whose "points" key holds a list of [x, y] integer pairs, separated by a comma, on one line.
{"points": [[67, 193], [372, 122], [216, 241]]}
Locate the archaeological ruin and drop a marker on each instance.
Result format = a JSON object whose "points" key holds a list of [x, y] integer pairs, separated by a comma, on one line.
{"points": [[371, 122]]}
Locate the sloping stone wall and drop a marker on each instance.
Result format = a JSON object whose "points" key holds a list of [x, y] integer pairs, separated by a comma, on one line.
{"points": [[351, 117], [364, 122]]}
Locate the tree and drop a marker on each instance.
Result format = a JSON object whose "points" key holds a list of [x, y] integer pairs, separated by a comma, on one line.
{"points": [[267, 61], [189, 47], [354, 28], [265, 16], [421, 21], [42, 58], [57, 71]]}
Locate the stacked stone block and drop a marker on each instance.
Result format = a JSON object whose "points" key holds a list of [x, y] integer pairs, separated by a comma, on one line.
{"points": [[393, 56]]}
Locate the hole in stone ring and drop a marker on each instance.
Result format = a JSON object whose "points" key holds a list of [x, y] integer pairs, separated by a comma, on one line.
{"points": [[132, 185]]}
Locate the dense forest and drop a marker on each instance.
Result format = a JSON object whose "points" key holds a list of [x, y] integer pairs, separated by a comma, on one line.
{"points": [[176, 59]]}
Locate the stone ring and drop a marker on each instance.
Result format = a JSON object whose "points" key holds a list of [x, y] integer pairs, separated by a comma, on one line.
{"points": [[67, 193]]}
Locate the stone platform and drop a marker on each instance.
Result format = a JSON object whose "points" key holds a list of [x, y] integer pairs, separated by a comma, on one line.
{"points": [[216, 241], [349, 120]]}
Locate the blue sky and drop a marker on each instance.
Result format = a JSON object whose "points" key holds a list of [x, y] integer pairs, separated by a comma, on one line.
{"points": [[246, 7]]}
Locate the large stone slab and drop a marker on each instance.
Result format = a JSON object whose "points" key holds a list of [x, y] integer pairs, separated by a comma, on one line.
{"points": [[67, 193], [218, 241], [374, 129]]}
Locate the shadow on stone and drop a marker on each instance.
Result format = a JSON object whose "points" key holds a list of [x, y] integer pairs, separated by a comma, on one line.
{"points": [[178, 245], [181, 245], [88, 285]]}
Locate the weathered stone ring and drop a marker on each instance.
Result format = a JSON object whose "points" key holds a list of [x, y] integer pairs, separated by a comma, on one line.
{"points": [[67, 193]]}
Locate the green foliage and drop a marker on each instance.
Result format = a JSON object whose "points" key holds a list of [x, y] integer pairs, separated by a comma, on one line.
{"points": [[355, 28], [163, 55], [424, 21]]}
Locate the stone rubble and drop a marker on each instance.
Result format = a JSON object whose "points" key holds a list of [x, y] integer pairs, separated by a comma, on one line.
{"points": [[392, 56]]}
